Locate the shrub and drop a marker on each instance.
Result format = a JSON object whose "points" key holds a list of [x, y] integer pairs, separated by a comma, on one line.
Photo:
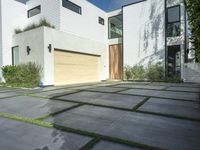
{"points": [[155, 72], [136, 72], [43, 22], [127, 72], [174, 79], [9, 73], [24, 74]]}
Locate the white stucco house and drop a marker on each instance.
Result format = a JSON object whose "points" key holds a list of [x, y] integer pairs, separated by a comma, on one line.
{"points": [[89, 44]]}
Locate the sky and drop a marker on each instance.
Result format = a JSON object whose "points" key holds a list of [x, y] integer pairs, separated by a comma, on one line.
{"points": [[110, 5], [107, 5]]}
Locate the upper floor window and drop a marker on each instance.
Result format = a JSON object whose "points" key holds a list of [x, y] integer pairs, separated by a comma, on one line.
{"points": [[115, 27], [34, 11], [173, 21], [71, 6], [101, 21]]}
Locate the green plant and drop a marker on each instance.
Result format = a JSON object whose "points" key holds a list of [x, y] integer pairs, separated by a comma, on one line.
{"points": [[174, 79], [9, 73], [193, 10], [26, 75], [42, 22], [136, 72], [155, 72], [127, 72]]}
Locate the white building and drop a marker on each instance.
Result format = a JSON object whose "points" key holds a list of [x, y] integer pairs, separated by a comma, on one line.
{"points": [[88, 44]]}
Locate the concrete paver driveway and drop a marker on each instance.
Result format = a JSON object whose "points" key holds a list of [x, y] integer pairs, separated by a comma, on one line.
{"points": [[109, 116]]}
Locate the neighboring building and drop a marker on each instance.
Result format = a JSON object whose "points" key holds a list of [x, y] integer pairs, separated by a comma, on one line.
{"points": [[88, 44]]}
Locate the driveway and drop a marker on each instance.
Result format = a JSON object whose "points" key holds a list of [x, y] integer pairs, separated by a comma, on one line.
{"points": [[101, 116]]}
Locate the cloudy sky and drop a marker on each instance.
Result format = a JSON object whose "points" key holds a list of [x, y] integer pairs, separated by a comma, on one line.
{"points": [[107, 5]]}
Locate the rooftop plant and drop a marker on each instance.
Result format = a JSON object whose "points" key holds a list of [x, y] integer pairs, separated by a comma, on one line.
{"points": [[42, 22]]}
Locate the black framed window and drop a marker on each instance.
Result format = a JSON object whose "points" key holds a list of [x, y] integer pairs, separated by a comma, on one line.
{"points": [[71, 6], [173, 21], [34, 11], [115, 27], [101, 21]]}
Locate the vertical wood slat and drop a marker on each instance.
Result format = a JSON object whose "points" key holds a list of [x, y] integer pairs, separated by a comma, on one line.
{"points": [[115, 62]]}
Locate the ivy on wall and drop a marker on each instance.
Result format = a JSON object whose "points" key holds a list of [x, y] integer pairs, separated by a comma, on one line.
{"points": [[193, 10]]}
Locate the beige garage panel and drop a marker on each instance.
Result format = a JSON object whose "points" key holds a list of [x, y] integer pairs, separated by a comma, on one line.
{"points": [[70, 67]]}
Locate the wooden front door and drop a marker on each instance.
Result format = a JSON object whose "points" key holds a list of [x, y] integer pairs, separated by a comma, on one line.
{"points": [[115, 61]]}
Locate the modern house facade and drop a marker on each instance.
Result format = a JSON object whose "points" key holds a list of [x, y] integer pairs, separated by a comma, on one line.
{"points": [[88, 44]]}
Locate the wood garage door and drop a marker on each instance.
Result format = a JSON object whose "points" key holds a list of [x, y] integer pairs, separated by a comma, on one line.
{"points": [[115, 62], [70, 67]]}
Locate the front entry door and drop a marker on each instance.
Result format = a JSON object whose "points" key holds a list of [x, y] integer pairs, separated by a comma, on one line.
{"points": [[115, 61]]}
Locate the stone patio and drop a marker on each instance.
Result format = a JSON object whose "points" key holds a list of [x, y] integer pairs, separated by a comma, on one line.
{"points": [[117, 116]]}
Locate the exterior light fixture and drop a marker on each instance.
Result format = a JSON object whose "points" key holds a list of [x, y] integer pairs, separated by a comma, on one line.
{"points": [[28, 49], [50, 48]]}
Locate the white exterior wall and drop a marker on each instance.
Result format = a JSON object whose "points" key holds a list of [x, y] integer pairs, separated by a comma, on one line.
{"points": [[87, 29], [35, 40], [85, 25], [71, 42], [50, 10], [10, 21], [144, 32], [143, 24], [191, 72], [39, 39], [0, 38]]}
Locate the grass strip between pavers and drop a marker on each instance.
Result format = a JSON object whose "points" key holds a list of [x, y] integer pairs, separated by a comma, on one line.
{"points": [[134, 109], [73, 92], [9, 97], [168, 115], [58, 112], [143, 96], [92, 104], [27, 120], [141, 103], [42, 97], [80, 132], [90, 144], [9, 91]]}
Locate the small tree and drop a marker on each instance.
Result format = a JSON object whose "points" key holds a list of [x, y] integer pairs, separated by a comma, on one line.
{"points": [[193, 10]]}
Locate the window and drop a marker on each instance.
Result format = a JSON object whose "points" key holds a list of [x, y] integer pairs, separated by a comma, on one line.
{"points": [[101, 21], [115, 27], [173, 21], [34, 11], [15, 55], [71, 6]]}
